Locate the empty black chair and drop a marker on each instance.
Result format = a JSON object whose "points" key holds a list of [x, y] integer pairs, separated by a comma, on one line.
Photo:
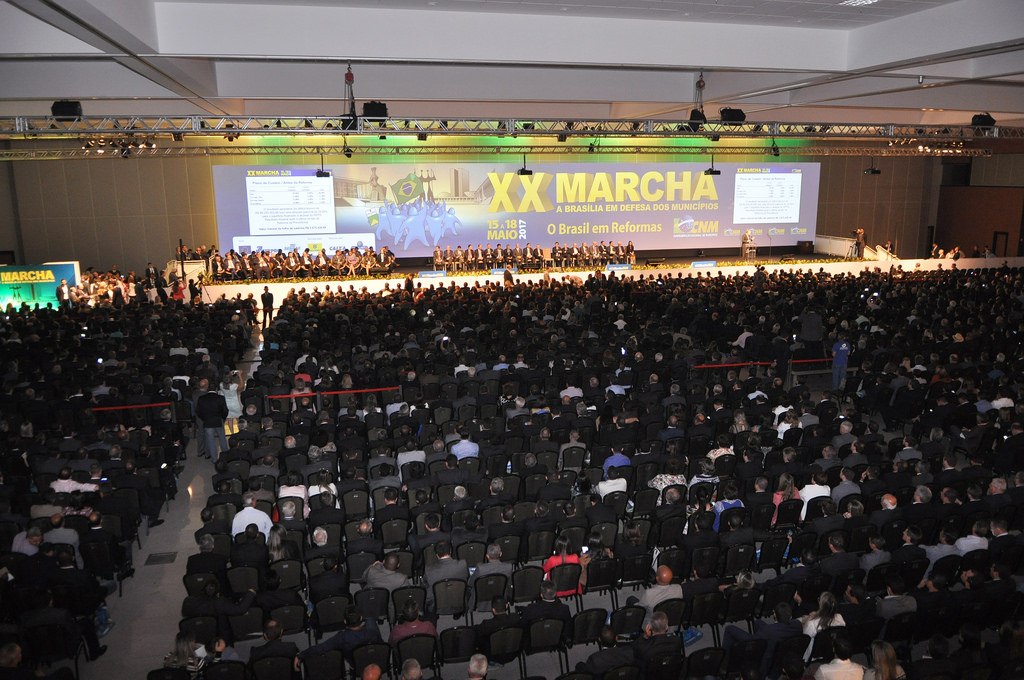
{"points": [[603, 577], [423, 648], [169, 674], [586, 626], [327, 666], [236, 670], [400, 596], [372, 603], [787, 649], [485, 589], [457, 644], [705, 662], [746, 654], [378, 653], [272, 668], [543, 636], [526, 584], [628, 621], [505, 645], [450, 597]]}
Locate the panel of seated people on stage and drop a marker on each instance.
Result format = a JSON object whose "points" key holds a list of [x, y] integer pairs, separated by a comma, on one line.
{"points": [[306, 264], [575, 256]]}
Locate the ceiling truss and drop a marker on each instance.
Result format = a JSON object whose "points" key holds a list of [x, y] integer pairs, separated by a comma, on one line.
{"points": [[22, 127]]}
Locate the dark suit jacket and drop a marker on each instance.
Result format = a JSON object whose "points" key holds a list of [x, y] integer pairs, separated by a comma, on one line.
{"points": [[604, 660], [536, 611], [211, 409], [288, 650], [838, 562], [646, 650]]}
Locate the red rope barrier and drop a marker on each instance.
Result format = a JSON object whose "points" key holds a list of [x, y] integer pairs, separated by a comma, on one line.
{"points": [[745, 363], [811, 361], [129, 407], [313, 394]]}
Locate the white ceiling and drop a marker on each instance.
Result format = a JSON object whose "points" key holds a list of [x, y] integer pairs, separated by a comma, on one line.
{"points": [[901, 61]]}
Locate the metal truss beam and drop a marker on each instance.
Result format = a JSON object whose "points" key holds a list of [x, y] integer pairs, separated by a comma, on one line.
{"points": [[899, 151], [23, 127]]}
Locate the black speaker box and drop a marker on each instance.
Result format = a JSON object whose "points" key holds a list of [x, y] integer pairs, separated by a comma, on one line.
{"points": [[983, 120], [732, 115], [66, 110], [375, 110], [697, 118]]}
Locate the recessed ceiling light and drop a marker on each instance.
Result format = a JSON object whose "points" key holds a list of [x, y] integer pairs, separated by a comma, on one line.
{"points": [[857, 3]]}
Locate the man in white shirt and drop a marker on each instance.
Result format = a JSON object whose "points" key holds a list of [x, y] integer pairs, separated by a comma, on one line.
{"points": [[976, 540], [841, 667], [249, 514]]}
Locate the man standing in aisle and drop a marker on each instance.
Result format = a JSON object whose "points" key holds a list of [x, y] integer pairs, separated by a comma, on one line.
{"points": [[840, 359], [211, 410], [267, 299]]}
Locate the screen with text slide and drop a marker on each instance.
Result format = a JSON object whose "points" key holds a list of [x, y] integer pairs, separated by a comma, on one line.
{"points": [[411, 208]]}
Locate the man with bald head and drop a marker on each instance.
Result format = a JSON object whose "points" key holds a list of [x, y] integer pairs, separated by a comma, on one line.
{"points": [[384, 574], [663, 589]]}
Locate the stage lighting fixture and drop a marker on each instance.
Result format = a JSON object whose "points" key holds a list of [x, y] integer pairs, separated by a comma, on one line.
{"points": [[590, 149], [87, 145], [382, 137], [323, 173], [329, 126], [422, 136], [524, 171], [347, 151], [177, 137], [562, 137], [775, 149], [307, 123], [712, 171], [126, 152], [872, 170]]}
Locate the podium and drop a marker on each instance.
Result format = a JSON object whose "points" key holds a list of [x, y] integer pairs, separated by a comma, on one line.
{"points": [[749, 251]]}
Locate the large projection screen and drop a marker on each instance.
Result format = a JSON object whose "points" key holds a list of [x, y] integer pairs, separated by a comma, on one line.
{"points": [[411, 208]]}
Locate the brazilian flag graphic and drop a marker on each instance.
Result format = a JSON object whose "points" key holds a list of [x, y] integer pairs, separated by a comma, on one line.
{"points": [[409, 188]]}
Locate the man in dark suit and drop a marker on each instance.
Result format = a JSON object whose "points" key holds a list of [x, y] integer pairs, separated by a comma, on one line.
{"points": [[250, 550], [274, 645], [357, 632], [327, 513], [329, 583], [206, 561], [211, 410], [548, 607], [911, 549], [97, 534], [656, 643], [365, 541], [611, 655], [838, 560], [445, 568]]}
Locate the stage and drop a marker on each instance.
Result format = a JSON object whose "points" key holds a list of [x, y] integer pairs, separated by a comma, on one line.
{"points": [[676, 267]]}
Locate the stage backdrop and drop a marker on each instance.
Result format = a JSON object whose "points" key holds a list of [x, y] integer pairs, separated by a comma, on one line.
{"points": [[35, 284], [412, 208]]}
